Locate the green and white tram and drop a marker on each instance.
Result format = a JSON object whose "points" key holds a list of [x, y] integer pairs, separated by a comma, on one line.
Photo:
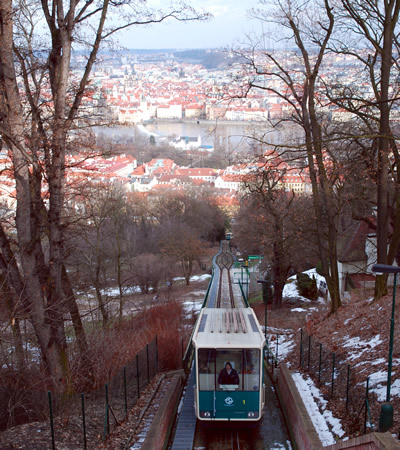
{"points": [[228, 345]]}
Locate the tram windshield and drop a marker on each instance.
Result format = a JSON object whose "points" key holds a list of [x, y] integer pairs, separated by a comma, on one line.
{"points": [[227, 370]]}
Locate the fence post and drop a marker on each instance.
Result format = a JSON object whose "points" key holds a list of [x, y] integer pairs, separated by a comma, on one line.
{"points": [[53, 442], [148, 364], [83, 421], [333, 372], [301, 347], [137, 376], [156, 354], [183, 354], [320, 363], [106, 418], [309, 352], [125, 393], [348, 387], [277, 350], [366, 407]]}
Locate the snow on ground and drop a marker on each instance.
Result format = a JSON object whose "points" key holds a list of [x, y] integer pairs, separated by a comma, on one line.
{"points": [[203, 277], [280, 342], [315, 404], [192, 306], [377, 383], [200, 293], [290, 291], [313, 273], [364, 346], [194, 278], [113, 292]]}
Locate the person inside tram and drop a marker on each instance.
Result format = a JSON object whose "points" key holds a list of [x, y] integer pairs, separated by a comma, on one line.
{"points": [[228, 375]]}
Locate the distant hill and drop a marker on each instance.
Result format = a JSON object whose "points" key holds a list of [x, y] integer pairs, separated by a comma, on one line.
{"points": [[210, 59]]}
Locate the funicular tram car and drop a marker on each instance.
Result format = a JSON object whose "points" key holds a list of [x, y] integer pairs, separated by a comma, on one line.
{"points": [[228, 340]]}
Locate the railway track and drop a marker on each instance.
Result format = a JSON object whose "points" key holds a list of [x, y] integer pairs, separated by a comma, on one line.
{"points": [[225, 261], [224, 440], [234, 437], [269, 432]]}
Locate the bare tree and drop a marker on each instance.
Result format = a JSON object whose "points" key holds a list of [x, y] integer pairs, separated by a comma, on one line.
{"points": [[273, 217], [369, 34], [37, 134], [178, 242], [196, 209], [149, 270], [309, 25]]}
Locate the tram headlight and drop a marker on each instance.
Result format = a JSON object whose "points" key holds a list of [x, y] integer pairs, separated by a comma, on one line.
{"points": [[252, 414], [205, 414]]}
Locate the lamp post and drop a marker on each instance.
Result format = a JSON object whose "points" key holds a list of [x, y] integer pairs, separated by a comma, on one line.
{"points": [[386, 417], [247, 282], [265, 309]]}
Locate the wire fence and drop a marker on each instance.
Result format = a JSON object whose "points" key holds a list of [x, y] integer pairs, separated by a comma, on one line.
{"points": [[84, 420], [339, 383]]}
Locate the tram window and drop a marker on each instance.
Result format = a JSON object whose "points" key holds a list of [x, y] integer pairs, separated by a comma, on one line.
{"points": [[251, 369], [206, 365], [227, 379]]}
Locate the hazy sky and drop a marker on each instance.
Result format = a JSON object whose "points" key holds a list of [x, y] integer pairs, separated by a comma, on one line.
{"points": [[228, 27]]}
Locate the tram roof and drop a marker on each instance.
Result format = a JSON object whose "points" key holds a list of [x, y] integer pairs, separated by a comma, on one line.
{"points": [[228, 328]]}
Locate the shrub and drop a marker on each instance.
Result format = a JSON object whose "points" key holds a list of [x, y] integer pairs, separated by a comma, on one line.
{"points": [[113, 348], [318, 268], [307, 286], [165, 321]]}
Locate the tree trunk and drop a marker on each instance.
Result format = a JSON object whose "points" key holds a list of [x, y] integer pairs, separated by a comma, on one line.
{"points": [[48, 333], [382, 232], [74, 313]]}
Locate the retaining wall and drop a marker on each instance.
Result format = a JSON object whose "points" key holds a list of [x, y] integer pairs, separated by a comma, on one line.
{"points": [[302, 429], [300, 425], [160, 428]]}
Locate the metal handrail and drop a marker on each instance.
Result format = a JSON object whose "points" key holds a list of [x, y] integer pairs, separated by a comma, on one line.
{"points": [[246, 302], [208, 289]]}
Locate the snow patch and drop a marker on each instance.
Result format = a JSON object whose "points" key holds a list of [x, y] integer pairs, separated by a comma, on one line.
{"points": [[364, 346], [316, 407]]}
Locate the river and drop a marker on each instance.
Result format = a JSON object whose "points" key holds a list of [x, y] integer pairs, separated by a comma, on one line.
{"points": [[234, 136]]}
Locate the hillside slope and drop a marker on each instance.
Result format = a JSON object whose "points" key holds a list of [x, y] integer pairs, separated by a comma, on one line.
{"points": [[358, 334]]}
